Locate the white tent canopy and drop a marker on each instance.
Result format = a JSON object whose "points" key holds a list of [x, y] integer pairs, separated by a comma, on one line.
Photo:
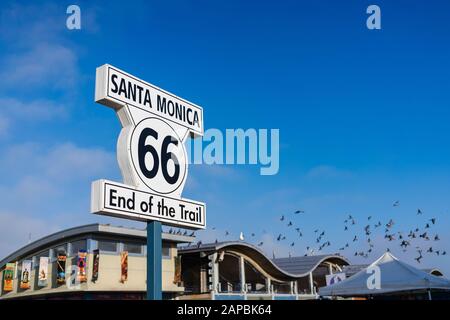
{"points": [[395, 276]]}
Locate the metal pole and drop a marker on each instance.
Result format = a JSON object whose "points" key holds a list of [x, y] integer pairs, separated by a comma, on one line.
{"points": [[311, 283], [429, 294], [154, 261]]}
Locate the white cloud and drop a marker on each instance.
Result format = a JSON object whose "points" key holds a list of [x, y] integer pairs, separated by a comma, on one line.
{"points": [[31, 23], [68, 161], [40, 109], [62, 162], [38, 59], [17, 229], [15, 113], [46, 189], [44, 65]]}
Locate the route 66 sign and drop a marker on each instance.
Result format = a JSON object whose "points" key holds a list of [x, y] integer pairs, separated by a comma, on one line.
{"points": [[150, 150], [158, 155]]}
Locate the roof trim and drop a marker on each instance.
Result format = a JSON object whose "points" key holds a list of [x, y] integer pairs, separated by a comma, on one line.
{"points": [[86, 229]]}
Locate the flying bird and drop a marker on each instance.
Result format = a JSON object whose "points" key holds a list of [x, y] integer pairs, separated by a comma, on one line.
{"points": [[405, 244], [418, 258], [390, 224]]}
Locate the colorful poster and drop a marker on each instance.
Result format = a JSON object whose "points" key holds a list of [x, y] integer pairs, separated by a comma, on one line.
{"points": [[124, 266], [177, 276], [95, 266], [25, 275], [81, 264], [43, 272], [61, 267], [8, 276]]}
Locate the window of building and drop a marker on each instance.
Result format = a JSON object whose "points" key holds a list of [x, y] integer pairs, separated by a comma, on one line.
{"points": [[255, 280], [229, 274], [166, 250], [76, 246], [134, 248], [281, 287], [107, 246], [60, 248]]}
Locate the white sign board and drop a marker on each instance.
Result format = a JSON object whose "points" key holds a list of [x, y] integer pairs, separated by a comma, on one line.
{"points": [[116, 88], [334, 278], [116, 199], [150, 151]]}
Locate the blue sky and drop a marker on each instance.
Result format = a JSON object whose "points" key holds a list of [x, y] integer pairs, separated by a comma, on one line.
{"points": [[363, 115]]}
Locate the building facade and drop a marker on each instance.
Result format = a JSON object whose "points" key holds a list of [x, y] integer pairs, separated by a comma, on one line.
{"points": [[114, 267], [109, 283]]}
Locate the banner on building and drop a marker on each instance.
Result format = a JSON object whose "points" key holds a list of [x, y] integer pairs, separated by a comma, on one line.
{"points": [[81, 263], [124, 266], [43, 272], [334, 278], [177, 275], [25, 275], [61, 267], [96, 263], [8, 277]]}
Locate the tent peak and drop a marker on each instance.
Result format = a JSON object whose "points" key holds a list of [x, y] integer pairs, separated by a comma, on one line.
{"points": [[386, 257]]}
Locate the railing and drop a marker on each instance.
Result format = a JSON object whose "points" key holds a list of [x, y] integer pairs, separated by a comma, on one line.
{"points": [[229, 287]]}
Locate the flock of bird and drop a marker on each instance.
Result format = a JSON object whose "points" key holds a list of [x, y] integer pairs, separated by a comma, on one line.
{"points": [[403, 240]]}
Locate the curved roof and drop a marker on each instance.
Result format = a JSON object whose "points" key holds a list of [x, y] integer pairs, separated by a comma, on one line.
{"points": [[95, 228], [283, 269], [304, 265]]}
